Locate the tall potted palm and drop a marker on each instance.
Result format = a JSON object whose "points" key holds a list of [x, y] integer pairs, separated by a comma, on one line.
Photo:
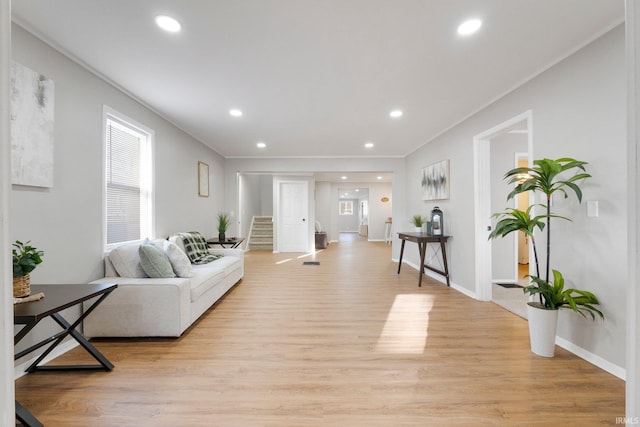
{"points": [[548, 177]]}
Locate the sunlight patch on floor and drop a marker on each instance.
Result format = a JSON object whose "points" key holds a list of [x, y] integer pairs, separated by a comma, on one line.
{"points": [[405, 330], [283, 261], [307, 255]]}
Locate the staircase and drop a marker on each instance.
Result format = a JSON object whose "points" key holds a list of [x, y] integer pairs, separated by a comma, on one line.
{"points": [[261, 234]]}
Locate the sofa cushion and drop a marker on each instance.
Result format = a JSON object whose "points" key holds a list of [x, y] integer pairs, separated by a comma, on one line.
{"points": [[154, 261], [126, 261], [227, 264], [179, 260], [204, 279]]}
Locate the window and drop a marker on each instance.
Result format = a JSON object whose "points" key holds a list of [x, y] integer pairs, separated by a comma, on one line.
{"points": [[346, 207], [128, 177]]}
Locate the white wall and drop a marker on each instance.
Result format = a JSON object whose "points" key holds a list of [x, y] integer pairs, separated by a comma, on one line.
{"points": [[379, 211], [324, 207], [66, 221], [632, 14], [7, 413], [578, 109]]}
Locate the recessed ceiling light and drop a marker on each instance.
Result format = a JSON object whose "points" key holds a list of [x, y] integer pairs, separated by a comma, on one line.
{"points": [[469, 27], [379, 177], [357, 190], [167, 23], [235, 112], [343, 177], [369, 145], [396, 113], [261, 144]]}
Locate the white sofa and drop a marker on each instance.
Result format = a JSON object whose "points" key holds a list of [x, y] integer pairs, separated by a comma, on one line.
{"points": [[161, 307]]}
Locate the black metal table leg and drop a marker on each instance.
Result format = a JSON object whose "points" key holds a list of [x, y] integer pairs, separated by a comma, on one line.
{"points": [[422, 247], [401, 252], [25, 417], [444, 261]]}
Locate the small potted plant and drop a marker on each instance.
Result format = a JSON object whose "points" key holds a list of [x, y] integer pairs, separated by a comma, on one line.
{"points": [[417, 221], [223, 224], [25, 260], [546, 177]]}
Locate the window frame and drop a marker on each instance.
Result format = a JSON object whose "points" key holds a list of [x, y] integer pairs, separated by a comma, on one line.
{"points": [[147, 174], [345, 207]]}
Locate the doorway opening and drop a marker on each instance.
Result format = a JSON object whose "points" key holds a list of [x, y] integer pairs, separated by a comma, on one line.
{"points": [[353, 213], [496, 151]]}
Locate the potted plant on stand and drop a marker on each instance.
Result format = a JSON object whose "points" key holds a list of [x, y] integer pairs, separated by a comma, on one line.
{"points": [[25, 260], [223, 224], [546, 177], [417, 221]]}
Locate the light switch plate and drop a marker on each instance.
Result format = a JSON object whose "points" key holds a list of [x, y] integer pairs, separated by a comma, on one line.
{"points": [[592, 208]]}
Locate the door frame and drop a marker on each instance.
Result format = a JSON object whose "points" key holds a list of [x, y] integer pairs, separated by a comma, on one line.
{"points": [[482, 199]]}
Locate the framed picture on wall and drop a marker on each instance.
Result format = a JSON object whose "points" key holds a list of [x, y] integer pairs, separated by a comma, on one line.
{"points": [[435, 181], [203, 179]]}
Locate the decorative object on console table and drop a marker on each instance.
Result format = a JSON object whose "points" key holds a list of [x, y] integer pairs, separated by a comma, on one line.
{"points": [[223, 224], [437, 221], [545, 177], [25, 260], [203, 179]]}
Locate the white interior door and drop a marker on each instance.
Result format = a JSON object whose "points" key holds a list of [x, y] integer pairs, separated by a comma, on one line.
{"points": [[293, 229]]}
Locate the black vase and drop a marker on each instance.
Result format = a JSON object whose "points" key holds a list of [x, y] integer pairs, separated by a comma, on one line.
{"points": [[222, 237]]}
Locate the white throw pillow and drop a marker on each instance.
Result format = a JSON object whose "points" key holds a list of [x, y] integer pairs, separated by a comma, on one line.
{"points": [[126, 261], [179, 260]]}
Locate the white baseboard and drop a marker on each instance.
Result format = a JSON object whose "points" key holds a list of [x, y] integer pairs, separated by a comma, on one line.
{"points": [[19, 370], [592, 358]]}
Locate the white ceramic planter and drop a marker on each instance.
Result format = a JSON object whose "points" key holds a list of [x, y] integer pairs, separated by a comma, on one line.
{"points": [[542, 330]]}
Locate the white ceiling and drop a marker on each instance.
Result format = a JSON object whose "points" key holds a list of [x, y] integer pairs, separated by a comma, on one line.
{"points": [[317, 78]]}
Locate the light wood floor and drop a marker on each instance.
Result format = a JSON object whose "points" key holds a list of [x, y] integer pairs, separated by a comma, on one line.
{"points": [[345, 343]]}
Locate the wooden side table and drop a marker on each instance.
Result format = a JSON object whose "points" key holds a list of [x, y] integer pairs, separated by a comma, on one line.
{"points": [[422, 239]]}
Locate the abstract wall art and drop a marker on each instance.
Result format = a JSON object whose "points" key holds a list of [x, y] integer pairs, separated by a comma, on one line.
{"points": [[203, 179], [435, 181], [32, 108]]}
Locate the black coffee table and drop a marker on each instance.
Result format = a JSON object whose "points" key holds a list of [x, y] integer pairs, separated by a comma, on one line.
{"points": [[57, 298]]}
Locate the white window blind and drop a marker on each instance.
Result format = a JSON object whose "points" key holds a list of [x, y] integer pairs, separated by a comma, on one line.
{"points": [[128, 182]]}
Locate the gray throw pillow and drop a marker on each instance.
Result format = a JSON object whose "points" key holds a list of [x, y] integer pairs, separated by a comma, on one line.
{"points": [[154, 261]]}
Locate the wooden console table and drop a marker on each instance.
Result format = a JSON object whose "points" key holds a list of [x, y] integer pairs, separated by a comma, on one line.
{"points": [[422, 239], [57, 298]]}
